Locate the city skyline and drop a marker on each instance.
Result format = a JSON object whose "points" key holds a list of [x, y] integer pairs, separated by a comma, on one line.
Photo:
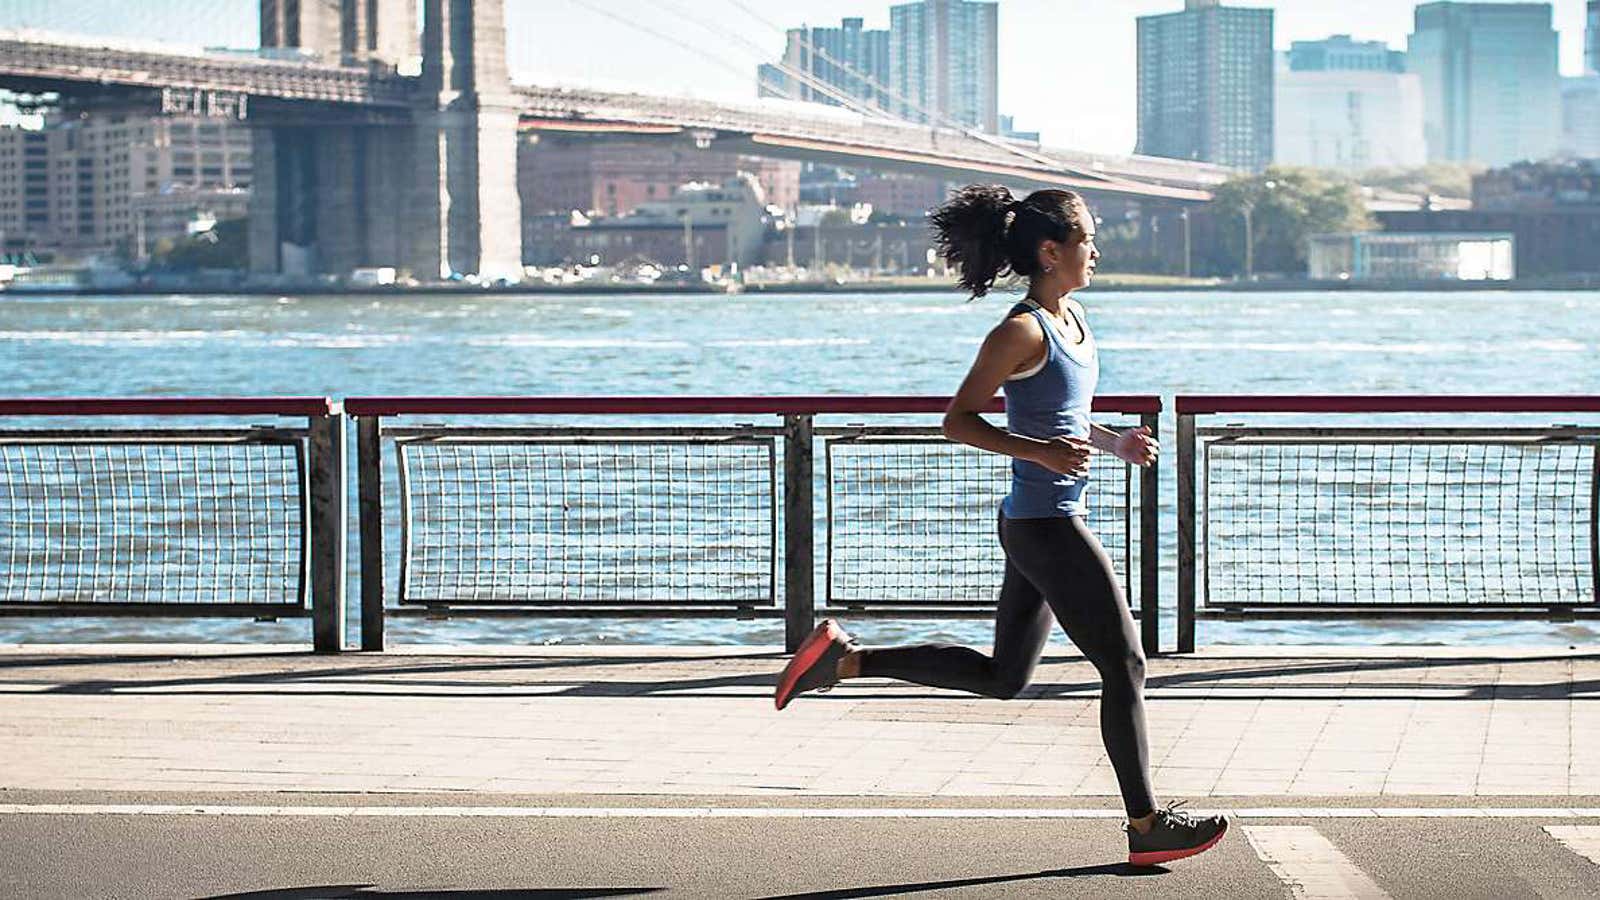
{"points": [[1099, 116]]}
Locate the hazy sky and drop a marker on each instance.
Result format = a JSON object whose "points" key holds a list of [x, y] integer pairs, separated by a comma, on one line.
{"points": [[1066, 66]]}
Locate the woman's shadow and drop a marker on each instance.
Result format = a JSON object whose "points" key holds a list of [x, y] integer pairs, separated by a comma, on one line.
{"points": [[1119, 870]]}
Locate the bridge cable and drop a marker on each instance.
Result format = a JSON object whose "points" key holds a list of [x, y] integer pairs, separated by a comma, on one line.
{"points": [[844, 98], [936, 118], [703, 54]]}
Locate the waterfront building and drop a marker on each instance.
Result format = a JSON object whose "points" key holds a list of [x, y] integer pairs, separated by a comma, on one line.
{"points": [[700, 224], [24, 190], [1567, 184], [1379, 256], [613, 177], [944, 62], [99, 183], [1206, 84], [1344, 104], [1490, 81], [898, 194], [1552, 209], [850, 59]]}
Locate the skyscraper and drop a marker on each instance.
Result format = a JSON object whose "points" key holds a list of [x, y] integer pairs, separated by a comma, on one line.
{"points": [[852, 60], [1580, 117], [1345, 104], [944, 62], [1591, 38], [1341, 53], [1205, 84], [1490, 83]]}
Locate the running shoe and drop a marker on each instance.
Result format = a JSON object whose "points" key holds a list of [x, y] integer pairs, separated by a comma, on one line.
{"points": [[1174, 835], [815, 665]]}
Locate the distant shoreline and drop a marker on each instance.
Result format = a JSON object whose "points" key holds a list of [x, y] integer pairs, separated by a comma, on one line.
{"points": [[1591, 283]]}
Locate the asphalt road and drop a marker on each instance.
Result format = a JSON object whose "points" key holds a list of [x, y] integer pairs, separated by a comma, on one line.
{"points": [[314, 849]]}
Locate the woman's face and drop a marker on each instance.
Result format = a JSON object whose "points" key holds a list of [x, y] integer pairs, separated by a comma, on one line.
{"points": [[1073, 262]]}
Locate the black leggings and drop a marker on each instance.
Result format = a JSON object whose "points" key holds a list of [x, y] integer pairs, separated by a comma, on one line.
{"points": [[1055, 569]]}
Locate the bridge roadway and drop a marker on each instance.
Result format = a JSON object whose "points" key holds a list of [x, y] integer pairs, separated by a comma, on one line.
{"points": [[34, 61], [631, 771]]}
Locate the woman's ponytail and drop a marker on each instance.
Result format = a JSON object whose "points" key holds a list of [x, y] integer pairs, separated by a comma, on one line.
{"points": [[969, 231]]}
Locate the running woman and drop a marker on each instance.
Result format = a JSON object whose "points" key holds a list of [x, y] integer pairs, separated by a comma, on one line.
{"points": [[1043, 356]]}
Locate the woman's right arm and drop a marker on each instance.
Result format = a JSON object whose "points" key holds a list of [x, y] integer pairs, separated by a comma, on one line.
{"points": [[1007, 349]]}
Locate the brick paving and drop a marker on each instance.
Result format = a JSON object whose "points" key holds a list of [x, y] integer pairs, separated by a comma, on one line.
{"points": [[699, 721]]}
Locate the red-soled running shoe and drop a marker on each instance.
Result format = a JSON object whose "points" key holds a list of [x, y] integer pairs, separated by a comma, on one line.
{"points": [[815, 665], [1174, 835]]}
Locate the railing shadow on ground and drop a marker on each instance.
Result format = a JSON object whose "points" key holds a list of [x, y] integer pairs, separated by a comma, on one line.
{"points": [[420, 679], [1119, 870]]}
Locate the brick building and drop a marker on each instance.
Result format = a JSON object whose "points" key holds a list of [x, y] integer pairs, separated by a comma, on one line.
{"points": [[613, 178]]}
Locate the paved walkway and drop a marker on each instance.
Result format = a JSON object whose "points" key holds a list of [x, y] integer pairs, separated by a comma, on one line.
{"points": [[657, 721]]}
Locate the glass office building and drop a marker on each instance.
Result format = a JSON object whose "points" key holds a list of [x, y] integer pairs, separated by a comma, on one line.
{"points": [[1490, 82], [944, 62]]}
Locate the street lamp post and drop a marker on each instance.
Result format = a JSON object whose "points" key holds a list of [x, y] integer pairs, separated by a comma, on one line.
{"points": [[1250, 234], [688, 243], [1249, 243], [1188, 247]]}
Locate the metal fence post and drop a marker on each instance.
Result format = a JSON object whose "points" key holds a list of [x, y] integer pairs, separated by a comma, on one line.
{"points": [[327, 527], [1186, 531], [1150, 547], [799, 512], [369, 487]]}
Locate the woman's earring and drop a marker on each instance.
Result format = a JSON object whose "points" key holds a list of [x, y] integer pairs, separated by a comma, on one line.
{"points": [[1049, 269]]}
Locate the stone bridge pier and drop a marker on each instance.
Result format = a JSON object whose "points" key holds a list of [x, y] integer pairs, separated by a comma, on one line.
{"points": [[433, 194]]}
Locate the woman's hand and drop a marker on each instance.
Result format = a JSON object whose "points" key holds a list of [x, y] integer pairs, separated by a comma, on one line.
{"points": [[1064, 456], [1136, 446]]}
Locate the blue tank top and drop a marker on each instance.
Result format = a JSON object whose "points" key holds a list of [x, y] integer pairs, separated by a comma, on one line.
{"points": [[1050, 402]]}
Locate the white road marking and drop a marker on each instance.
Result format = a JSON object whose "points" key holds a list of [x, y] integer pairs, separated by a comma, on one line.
{"points": [[1583, 840], [1309, 865], [763, 812]]}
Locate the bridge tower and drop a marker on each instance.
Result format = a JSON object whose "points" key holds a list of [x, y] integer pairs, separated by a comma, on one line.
{"points": [[384, 30], [434, 196], [466, 155]]}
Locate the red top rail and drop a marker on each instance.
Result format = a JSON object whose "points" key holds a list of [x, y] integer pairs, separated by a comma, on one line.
{"points": [[166, 406], [779, 406], [1378, 403]]}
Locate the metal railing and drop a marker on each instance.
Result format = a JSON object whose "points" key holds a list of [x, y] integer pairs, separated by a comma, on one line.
{"points": [[1316, 520], [677, 521], [573, 518], [174, 521]]}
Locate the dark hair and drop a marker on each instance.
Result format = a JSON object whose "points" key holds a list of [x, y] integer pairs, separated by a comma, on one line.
{"points": [[986, 232]]}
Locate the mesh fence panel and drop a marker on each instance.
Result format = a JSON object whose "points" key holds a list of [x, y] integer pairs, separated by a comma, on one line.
{"points": [[130, 523], [912, 520], [675, 522], [1469, 522]]}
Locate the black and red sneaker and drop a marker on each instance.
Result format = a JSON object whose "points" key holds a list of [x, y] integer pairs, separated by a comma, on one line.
{"points": [[1174, 835], [815, 664]]}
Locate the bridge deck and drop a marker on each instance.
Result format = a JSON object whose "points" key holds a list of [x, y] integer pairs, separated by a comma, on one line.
{"points": [[30, 61]]}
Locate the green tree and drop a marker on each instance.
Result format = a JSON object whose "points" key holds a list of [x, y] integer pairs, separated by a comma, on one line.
{"points": [[225, 246], [1285, 207], [1446, 179], [835, 218]]}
